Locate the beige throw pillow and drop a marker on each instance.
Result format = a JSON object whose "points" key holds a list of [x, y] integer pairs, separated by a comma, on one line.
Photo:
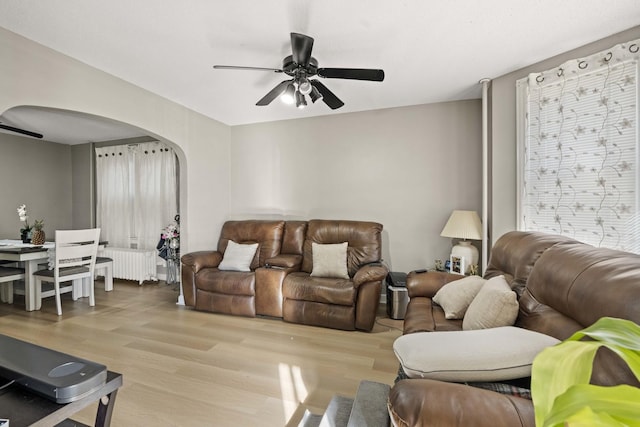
{"points": [[455, 297], [238, 257], [330, 260], [495, 305]]}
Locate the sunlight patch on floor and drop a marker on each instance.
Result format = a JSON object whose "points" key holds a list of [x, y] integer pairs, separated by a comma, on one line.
{"points": [[292, 388]]}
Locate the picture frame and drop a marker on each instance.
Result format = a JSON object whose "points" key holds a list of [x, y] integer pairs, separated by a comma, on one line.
{"points": [[458, 264]]}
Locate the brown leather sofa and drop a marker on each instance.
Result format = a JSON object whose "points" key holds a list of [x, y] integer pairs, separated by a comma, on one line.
{"points": [[279, 283], [563, 286]]}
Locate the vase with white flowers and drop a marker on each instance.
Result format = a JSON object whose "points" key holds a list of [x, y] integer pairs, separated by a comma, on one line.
{"points": [[25, 231]]}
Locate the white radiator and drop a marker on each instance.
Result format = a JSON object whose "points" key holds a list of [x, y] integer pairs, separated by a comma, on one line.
{"points": [[132, 264]]}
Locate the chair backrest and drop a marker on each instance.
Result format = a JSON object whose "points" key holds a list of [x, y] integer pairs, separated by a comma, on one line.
{"points": [[76, 248]]}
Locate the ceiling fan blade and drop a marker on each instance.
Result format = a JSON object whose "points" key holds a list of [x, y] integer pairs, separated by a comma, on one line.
{"points": [[274, 93], [301, 46], [236, 67], [22, 131], [328, 97], [352, 73]]}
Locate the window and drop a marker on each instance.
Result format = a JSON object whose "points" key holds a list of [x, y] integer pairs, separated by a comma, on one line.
{"points": [[136, 193], [578, 150]]}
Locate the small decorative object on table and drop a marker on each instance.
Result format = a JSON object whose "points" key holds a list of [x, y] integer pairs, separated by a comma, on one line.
{"points": [[473, 270], [25, 232], [38, 236], [439, 265], [458, 264]]}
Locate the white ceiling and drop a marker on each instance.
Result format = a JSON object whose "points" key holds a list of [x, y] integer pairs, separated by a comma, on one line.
{"points": [[430, 50]]}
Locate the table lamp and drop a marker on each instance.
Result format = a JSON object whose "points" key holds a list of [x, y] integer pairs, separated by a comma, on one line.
{"points": [[464, 225]]}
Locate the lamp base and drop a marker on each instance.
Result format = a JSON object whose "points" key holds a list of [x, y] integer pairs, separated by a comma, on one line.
{"points": [[465, 249]]}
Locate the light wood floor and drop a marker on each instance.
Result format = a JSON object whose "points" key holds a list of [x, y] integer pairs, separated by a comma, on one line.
{"points": [[186, 368]]}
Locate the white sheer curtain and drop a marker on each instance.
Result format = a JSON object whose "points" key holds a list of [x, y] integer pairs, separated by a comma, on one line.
{"points": [[155, 190], [579, 151], [137, 193], [114, 205]]}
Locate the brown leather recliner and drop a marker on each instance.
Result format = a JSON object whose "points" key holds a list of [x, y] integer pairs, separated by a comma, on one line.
{"points": [[338, 303], [285, 250], [207, 288], [563, 286]]}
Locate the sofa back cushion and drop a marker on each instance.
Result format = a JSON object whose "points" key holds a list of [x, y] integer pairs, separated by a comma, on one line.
{"points": [[267, 234], [363, 238], [294, 232], [574, 284], [515, 253]]}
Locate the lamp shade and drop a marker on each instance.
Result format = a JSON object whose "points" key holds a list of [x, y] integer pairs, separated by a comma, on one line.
{"points": [[463, 225]]}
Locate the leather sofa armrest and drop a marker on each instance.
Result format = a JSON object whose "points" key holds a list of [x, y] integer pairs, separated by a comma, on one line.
{"points": [[370, 273], [203, 259], [427, 284], [292, 261], [416, 402]]}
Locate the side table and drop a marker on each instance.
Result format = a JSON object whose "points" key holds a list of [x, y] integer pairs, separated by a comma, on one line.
{"points": [[397, 295]]}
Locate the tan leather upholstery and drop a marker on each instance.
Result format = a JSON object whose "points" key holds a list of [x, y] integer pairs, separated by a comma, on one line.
{"points": [[563, 285], [420, 402], [209, 289], [278, 284], [338, 303], [513, 256]]}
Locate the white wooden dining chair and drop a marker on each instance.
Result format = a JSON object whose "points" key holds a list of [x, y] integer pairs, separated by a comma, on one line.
{"points": [[7, 276], [75, 259]]}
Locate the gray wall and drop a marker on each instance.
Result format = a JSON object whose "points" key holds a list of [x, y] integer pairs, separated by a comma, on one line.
{"points": [[503, 112], [83, 210], [406, 168], [38, 174]]}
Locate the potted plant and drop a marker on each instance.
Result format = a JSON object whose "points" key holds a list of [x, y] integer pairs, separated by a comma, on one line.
{"points": [[562, 395], [25, 232]]}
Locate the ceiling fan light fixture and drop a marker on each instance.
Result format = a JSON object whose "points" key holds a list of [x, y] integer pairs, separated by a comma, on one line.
{"points": [[314, 94], [288, 96], [304, 86], [301, 102]]}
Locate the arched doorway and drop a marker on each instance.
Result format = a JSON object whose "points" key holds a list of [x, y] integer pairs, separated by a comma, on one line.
{"points": [[79, 133]]}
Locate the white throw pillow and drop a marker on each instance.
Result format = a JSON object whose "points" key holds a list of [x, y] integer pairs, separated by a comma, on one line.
{"points": [[330, 260], [455, 297], [238, 257], [495, 305], [483, 355]]}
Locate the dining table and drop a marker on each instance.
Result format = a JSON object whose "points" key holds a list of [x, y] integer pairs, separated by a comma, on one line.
{"points": [[31, 256]]}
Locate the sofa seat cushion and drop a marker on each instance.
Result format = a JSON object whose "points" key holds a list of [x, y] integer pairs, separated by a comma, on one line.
{"points": [[468, 356], [303, 287], [423, 315], [227, 282]]}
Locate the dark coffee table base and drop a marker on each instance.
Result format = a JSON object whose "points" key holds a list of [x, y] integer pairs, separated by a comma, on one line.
{"points": [[25, 408]]}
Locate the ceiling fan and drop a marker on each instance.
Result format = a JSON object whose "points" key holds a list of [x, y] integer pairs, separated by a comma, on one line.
{"points": [[301, 66], [20, 131]]}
